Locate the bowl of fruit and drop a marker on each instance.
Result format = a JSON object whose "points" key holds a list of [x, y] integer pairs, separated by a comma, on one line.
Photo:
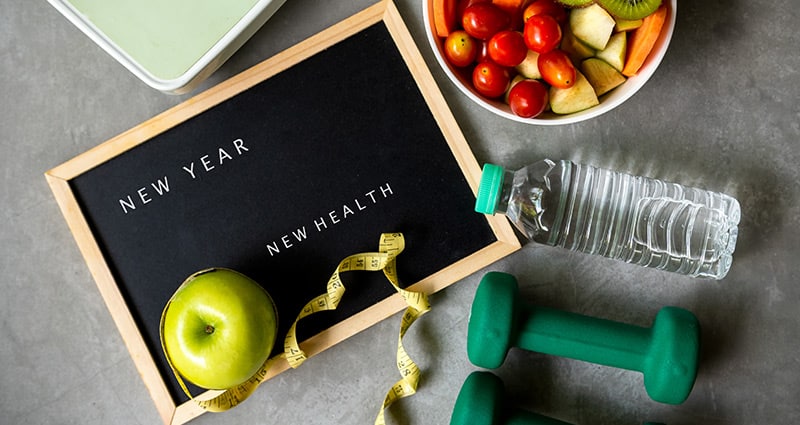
{"points": [[549, 62]]}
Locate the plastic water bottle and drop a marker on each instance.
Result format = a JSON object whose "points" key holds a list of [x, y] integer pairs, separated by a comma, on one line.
{"points": [[634, 219]]}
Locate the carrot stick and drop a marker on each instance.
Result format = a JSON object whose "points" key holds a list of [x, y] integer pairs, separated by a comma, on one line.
{"points": [[444, 16], [642, 40]]}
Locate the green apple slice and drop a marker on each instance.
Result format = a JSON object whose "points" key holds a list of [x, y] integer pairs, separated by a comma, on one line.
{"points": [[574, 99], [529, 67], [592, 25], [602, 76], [574, 48], [615, 51]]}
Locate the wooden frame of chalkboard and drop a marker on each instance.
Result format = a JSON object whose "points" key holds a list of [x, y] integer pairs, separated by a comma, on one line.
{"points": [[280, 171]]}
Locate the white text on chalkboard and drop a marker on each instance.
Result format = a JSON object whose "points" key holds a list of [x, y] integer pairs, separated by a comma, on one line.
{"points": [[144, 195], [206, 163], [331, 218]]}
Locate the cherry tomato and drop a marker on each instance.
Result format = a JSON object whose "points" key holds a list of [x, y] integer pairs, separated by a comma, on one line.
{"points": [[460, 49], [542, 33], [557, 69], [483, 20], [483, 51], [528, 98], [507, 48], [546, 7], [490, 79], [514, 10], [464, 4]]}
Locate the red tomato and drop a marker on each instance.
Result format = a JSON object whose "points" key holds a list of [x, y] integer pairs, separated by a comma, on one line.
{"points": [[557, 69], [483, 51], [483, 20], [490, 79], [460, 49], [546, 7], [464, 4], [542, 33], [528, 98], [507, 48]]}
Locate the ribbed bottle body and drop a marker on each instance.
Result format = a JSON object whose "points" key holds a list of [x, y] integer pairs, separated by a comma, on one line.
{"points": [[650, 222], [634, 219]]}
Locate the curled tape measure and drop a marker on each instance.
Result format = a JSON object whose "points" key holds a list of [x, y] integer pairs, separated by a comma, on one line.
{"points": [[390, 246]]}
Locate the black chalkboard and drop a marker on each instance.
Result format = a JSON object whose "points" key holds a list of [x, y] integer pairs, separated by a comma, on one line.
{"points": [[283, 180]]}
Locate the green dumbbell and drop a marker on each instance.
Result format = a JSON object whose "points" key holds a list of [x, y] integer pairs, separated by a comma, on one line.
{"points": [[481, 401], [666, 353]]}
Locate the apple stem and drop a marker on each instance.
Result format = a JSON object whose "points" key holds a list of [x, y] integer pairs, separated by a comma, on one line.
{"points": [[209, 329]]}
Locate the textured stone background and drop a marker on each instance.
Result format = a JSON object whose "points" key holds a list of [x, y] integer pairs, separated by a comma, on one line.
{"points": [[721, 112]]}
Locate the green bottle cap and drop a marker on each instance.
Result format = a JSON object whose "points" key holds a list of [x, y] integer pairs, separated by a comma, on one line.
{"points": [[489, 189]]}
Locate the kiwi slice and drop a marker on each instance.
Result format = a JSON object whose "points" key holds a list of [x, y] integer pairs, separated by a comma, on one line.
{"points": [[630, 9], [576, 3]]}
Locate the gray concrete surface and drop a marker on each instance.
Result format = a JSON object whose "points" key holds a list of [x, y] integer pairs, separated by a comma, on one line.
{"points": [[722, 112]]}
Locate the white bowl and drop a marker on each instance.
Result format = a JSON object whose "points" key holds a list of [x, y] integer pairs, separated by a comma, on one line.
{"points": [[608, 101], [146, 35]]}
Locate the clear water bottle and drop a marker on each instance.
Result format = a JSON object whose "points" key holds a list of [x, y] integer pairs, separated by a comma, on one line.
{"points": [[634, 219]]}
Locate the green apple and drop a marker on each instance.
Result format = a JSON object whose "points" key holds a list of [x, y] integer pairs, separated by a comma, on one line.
{"points": [[218, 328]]}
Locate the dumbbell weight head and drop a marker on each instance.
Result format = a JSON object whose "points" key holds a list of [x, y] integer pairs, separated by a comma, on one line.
{"points": [[670, 368], [482, 401], [493, 320]]}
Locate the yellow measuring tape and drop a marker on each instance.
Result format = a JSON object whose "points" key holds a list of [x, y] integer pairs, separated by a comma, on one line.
{"points": [[390, 246]]}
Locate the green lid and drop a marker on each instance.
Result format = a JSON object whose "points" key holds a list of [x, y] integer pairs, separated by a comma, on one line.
{"points": [[489, 189]]}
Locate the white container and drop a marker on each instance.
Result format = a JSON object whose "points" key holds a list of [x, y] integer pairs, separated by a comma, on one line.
{"points": [[608, 101], [172, 45]]}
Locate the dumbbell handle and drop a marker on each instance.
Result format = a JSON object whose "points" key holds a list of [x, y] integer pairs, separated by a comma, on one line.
{"points": [[579, 337]]}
